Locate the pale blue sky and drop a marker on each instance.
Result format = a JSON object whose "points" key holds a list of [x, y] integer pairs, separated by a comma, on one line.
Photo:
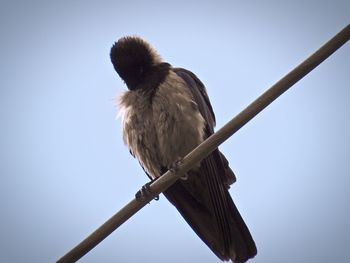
{"points": [[64, 169]]}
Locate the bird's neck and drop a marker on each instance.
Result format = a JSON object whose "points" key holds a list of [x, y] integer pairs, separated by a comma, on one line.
{"points": [[154, 79]]}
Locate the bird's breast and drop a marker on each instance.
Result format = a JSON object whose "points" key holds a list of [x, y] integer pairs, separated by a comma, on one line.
{"points": [[164, 129]]}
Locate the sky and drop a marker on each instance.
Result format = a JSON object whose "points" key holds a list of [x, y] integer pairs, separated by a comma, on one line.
{"points": [[64, 169]]}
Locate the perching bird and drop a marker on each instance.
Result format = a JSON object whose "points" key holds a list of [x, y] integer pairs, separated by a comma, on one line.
{"points": [[166, 113]]}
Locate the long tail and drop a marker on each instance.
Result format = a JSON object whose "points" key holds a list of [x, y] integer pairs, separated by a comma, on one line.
{"points": [[205, 203]]}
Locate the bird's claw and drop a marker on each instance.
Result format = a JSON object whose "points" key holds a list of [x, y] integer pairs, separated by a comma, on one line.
{"points": [[145, 192], [175, 167]]}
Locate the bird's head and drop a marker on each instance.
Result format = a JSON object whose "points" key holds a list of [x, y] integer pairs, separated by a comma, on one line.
{"points": [[133, 58]]}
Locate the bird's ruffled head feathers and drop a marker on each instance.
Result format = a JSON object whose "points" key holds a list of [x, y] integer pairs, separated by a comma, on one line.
{"points": [[133, 58]]}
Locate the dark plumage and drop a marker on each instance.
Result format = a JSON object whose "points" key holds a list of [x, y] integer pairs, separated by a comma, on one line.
{"points": [[137, 63], [166, 113]]}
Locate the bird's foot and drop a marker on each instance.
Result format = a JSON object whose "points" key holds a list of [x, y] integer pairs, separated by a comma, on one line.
{"points": [[145, 192], [175, 167]]}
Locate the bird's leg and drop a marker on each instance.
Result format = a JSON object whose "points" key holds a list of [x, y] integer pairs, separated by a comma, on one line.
{"points": [[174, 168], [146, 191]]}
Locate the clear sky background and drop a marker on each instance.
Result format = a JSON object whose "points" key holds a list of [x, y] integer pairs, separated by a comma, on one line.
{"points": [[64, 169]]}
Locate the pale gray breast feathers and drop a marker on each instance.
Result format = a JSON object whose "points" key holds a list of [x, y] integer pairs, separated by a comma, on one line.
{"points": [[163, 129]]}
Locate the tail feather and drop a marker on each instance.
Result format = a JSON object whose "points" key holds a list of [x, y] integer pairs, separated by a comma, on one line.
{"points": [[205, 203], [244, 246]]}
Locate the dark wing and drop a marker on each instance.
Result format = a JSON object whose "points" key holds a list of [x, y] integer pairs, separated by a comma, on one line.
{"points": [[200, 96], [203, 200]]}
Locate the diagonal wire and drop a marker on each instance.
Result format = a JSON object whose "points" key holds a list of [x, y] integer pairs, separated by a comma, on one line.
{"points": [[210, 144]]}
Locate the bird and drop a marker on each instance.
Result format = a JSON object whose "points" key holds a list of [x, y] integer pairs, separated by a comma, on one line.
{"points": [[166, 112]]}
